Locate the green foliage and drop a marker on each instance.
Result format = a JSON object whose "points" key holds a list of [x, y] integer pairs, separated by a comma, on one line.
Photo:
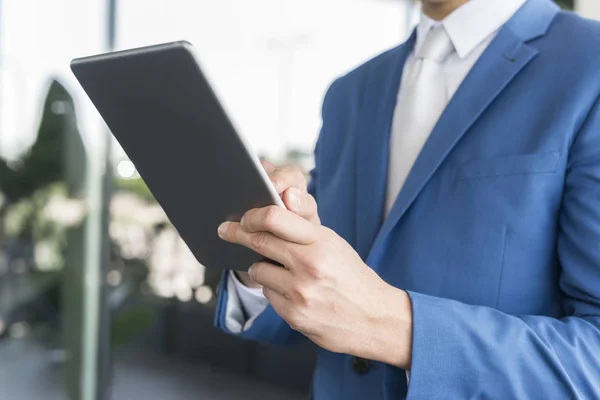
{"points": [[53, 168], [136, 186], [18, 217], [45, 162], [129, 324], [27, 219]]}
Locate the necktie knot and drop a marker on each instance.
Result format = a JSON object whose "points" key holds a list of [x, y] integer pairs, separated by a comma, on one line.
{"points": [[437, 46]]}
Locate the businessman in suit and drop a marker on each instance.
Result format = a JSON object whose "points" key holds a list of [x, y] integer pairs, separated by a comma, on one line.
{"points": [[456, 249]]}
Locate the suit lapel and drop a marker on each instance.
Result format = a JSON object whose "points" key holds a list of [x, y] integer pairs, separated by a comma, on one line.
{"points": [[506, 56], [372, 144]]}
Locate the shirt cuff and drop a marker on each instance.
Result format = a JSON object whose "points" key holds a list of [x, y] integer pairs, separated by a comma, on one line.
{"points": [[244, 304]]}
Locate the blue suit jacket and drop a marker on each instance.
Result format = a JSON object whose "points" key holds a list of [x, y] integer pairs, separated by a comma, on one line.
{"points": [[496, 232]]}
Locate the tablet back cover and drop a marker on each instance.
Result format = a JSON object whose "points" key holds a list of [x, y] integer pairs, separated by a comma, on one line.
{"points": [[163, 112]]}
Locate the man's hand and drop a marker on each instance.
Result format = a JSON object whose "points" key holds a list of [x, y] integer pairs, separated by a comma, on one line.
{"points": [[325, 290], [291, 185]]}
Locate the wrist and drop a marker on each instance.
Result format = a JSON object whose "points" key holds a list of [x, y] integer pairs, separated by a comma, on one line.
{"points": [[393, 327]]}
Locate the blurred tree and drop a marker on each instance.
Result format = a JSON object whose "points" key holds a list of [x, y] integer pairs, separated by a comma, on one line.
{"points": [[54, 165], [136, 186], [46, 161]]}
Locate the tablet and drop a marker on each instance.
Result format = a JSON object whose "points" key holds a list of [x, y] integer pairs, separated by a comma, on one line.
{"points": [[162, 110]]}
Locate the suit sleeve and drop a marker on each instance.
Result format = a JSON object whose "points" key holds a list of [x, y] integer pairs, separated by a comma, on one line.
{"points": [[269, 327], [461, 351]]}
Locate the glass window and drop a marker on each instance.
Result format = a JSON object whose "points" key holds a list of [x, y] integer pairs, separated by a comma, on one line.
{"points": [[99, 297]]}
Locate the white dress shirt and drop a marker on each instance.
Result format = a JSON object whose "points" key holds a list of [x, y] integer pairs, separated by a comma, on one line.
{"points": [[472, 27]]}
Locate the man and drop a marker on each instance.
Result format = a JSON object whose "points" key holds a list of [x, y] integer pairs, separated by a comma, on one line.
{"points": [[458, 176]]}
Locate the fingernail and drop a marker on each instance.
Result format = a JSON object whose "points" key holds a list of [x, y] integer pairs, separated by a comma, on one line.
{"points": [[251, 271], [223, 229], [295, 198]]}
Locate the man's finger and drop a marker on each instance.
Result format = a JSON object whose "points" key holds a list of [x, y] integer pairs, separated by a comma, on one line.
{"points": [[264, 243], [284, 308], [286, 177], [269, 167], [280, 304], [290, 183], [282, 223], [301, 203], [271, 277]]}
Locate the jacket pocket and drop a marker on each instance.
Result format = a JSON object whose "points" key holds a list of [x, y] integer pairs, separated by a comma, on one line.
{"points": [[521, 164]]}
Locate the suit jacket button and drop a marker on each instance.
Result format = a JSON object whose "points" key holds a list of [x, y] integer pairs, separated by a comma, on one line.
{"points": [[361, 365]]}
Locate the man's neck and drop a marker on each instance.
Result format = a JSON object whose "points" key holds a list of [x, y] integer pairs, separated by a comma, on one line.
{"points": [[438, 10]]}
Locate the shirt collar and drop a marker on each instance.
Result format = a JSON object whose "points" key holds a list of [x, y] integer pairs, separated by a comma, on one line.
{"points": [[471, 24]]}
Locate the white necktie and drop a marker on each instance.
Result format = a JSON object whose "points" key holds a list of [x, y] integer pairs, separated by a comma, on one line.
{"points": [[422, 98]]}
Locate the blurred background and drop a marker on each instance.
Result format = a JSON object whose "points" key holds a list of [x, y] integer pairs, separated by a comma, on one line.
{"points": [[99, 297]]}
